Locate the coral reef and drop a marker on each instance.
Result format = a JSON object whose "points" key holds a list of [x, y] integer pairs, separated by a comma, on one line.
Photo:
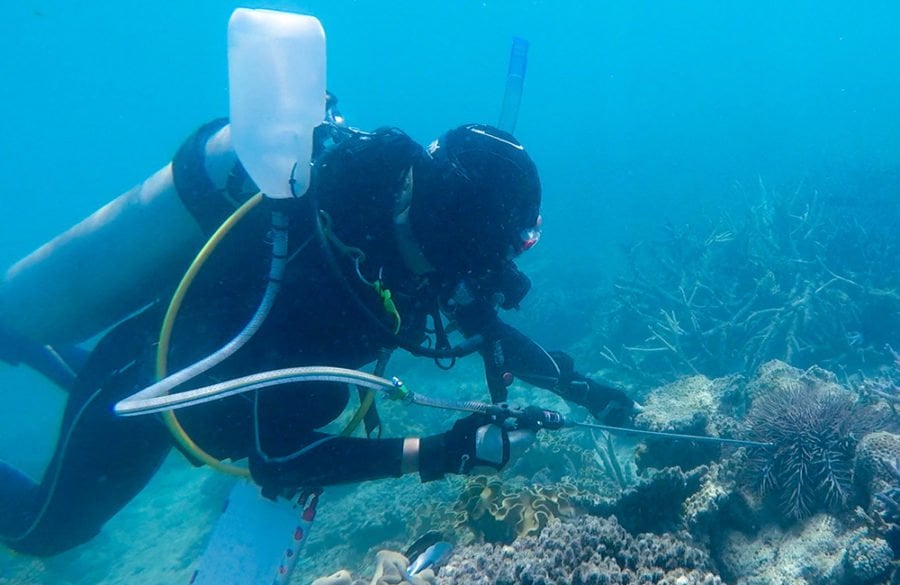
{"points": [[342, 577], [587, 551], [878, 477], [884, 383], [654, 504], [692, 405], [808, 554], [515, 529], [886, 508], [876, 459], [865, 560], [775, 375], [718, 505], [814, 429], [795, 279]]}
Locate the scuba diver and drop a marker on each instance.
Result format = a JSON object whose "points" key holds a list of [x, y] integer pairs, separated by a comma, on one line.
{"points": [[394, 246]]}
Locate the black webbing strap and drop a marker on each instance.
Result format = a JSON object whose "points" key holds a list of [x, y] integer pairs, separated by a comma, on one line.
{"points": [[209, 205], [372, 420]]}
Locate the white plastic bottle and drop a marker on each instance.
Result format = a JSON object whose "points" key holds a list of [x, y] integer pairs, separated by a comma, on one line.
{"points": [[276, 70]]}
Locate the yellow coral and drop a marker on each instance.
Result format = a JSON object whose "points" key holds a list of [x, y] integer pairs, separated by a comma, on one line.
{"points": [[498, 513]]}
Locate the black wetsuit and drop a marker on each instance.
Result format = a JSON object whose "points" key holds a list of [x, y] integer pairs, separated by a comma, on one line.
{"points": [[324, 315]]}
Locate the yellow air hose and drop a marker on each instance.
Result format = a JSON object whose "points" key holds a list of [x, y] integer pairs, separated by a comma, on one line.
{"points": [[165, 335]]}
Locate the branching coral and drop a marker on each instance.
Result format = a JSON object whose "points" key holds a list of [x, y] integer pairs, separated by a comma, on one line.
{"points": [[795, 279], [814, 430], [889, 517], [889, 498], [884, 384], [878, 472], [568, 458]]}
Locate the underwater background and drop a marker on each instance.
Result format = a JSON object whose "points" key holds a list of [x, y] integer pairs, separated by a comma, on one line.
{"points": [[668, 135]]}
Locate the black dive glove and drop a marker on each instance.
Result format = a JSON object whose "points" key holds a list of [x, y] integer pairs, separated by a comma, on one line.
{"points": [[609, 405], [476, 443]]}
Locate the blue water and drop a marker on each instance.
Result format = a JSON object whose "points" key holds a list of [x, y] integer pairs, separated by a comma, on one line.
{"points": [[637, 113], [631, 109]]}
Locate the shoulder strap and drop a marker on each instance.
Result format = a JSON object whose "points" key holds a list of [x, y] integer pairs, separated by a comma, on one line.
{"points": [[208, 203]]}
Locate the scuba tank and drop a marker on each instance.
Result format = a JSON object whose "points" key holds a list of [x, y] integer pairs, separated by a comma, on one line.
{"points": [[110, 264], [124, 255]]}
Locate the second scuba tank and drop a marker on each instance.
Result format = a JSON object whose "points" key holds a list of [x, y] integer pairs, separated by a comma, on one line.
{"points": [[276, 71]]}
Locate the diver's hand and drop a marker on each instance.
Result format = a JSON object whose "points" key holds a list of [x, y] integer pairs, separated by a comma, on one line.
{"points": [[609, 405], [475, 444]]}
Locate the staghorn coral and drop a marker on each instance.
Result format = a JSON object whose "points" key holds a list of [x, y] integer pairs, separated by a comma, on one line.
{"points": [[796, 278], [570, 458], [884, 383], [588, 550], [878, 477], [887, 515], [495, 512], [814, 430]]}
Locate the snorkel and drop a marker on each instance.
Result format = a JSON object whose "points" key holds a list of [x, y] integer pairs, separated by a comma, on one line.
{"points": [[515, 81]]}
